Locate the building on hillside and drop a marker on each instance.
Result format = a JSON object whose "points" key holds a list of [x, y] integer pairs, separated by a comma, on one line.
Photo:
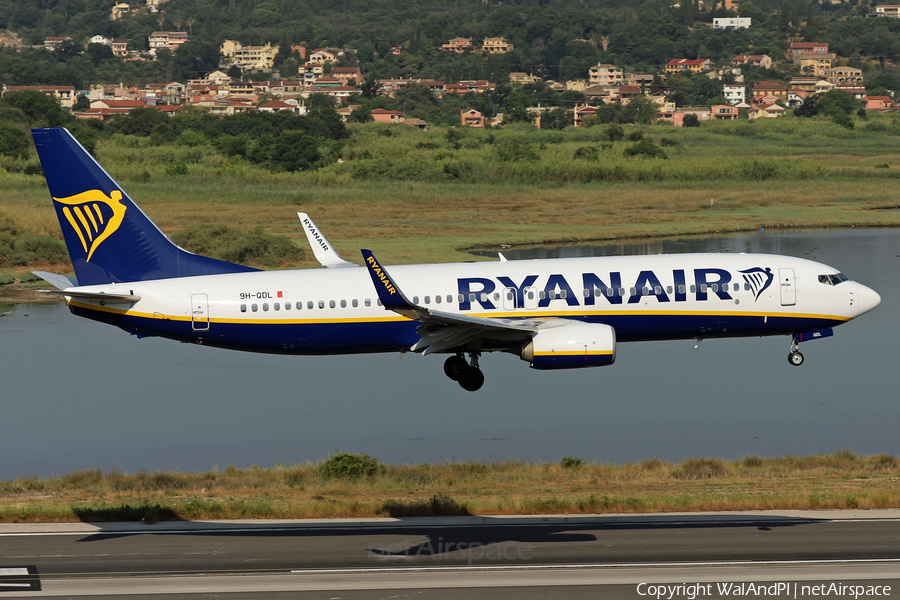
{"points": [[754, 60], [295, 107], [799, 48], [879, 103], [100, 39], [731, 22], [766, 111], [51, 43], [734, 93], [891, 11], [844, 76], [300, 50], [686, 64], [381, 115], [803, 83], [64, 94], [458, 45], [497, 45], [627, 92], [119, 10], [605, 74], [347, 75], [580, 113], [524, 78], [723, 112], [119, 48], [254, 58], [644, 79], [323, 56], [168, 39], [471, 118], [770, 88], [857, 91]]}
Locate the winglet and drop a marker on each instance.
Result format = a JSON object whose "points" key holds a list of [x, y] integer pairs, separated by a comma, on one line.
{"points": [[321, 247], [388, 292]]}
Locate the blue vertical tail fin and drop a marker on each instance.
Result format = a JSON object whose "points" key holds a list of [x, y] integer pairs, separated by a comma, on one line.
{"points": [[110, 239]]}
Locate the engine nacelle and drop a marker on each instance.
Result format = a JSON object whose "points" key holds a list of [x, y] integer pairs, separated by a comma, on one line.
{"points": [[572, 346]]}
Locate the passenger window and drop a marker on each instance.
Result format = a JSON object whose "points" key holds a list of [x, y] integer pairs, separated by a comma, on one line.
{"points": [[450, 299], [657, 290], [287, 306], [378, 302], [552, 294], [715, 287], [509, 295], [343, 304], [645, 291], [254, 307], [355, 303], [462, 298], [610, 292], [703, 288], [243, 308], [484, 297], [496, 296], [542, 294], [597, 292], [277, 306], [680, 289], [530, 294], [621, 291], [427, 299], [266, 306], [368, 302], [669, 289], [415, 299], [472, 297], [724, 287], [563, 293], [693, 288], [632, 292], [331, 304], [321, 304], [437, 299], [310, 305]]}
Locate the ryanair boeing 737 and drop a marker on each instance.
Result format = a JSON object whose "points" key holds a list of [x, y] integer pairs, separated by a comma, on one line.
{"points": [[554, 314]]}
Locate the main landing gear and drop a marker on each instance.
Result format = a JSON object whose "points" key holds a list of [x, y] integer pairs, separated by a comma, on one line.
{"points": [[795, 358], [468, 375]]}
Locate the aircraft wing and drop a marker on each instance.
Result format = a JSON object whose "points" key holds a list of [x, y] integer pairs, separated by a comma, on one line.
{"points": [[321, 247], [442, 330]]}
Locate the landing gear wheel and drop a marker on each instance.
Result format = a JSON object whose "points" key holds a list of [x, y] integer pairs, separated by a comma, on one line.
{"points": [[454, 366], [795, 358], [471, 379]]}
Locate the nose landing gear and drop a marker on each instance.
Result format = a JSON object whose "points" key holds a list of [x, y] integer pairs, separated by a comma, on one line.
{"points": [[795, 358], [468, 375]]}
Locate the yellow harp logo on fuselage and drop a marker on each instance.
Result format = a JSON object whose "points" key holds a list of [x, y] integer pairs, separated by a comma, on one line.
{"points": [[94, 216]]}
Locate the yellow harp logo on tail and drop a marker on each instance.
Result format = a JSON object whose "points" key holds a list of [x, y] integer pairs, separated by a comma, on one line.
{"points": [[94, 216]]}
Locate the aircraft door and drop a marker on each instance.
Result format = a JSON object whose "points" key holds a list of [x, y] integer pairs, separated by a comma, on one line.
{"points": [[530, 295], [788, 287], [509, 298], [199, 312]]}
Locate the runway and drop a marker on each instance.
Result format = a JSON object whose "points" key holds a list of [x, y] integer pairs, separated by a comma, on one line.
{"points": [[548, 556]]}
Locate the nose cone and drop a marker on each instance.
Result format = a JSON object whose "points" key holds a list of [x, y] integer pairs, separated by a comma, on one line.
{"points": [[867, 299]]}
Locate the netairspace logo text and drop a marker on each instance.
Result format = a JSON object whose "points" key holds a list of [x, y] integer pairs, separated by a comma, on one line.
{"points": [[691, 591]]}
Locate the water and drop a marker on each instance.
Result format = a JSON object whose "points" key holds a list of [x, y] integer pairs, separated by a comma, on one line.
{"points": [[78, 394]]}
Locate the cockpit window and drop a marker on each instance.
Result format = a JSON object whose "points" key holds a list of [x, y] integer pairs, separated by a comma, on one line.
{"points": [[832, 279]]}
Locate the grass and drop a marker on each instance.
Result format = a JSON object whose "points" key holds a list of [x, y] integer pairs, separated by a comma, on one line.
{"points": [[840, 480], [422, 197]]}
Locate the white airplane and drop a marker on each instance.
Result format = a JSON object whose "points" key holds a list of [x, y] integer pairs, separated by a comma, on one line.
{"points": [[554, 314]]}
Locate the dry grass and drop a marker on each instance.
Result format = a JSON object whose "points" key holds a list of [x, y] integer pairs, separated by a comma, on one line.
{"points": [[840, 480]]}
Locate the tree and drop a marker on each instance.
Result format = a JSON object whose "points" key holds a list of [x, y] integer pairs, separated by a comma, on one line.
{"points": [[39, 107], [641, 109], [293, 151], [13, 141], [515, 107], [691, 120], [81, 103], [838, 102], [192, 60], [235, 72]]}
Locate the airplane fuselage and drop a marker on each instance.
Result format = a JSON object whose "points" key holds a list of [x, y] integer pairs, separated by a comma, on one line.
{"points": [[336, 311]]}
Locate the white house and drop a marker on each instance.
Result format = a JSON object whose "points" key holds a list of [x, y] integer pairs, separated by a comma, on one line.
{"points": [[731, 22], [734, 93]]}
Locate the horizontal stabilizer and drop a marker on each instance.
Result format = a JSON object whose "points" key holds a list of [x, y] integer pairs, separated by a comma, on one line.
{"points": [[56, 280], [102, 296]]}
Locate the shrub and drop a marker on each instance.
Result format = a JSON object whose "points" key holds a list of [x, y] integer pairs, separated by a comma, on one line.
{"points": [[591, 153], [691, 120], [514, 151], [647, 149], [636, 136], [700, 468], [178, 168], [191, 138], [752, 461], [570, 462], [233, 245], [349, 466]]}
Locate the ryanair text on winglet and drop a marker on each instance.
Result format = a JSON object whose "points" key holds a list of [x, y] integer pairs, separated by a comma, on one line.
{"points": [[378, 271]]}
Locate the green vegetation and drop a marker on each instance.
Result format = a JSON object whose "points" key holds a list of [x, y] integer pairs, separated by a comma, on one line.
{"points": [[226, 243], [348, 485]]}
